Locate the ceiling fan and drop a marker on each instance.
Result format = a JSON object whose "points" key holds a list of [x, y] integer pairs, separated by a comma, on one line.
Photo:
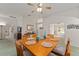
{"points": [[39, 5]]}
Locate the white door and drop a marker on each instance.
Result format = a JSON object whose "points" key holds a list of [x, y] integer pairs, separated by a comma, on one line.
{"points": [[2, 32], [51, 28]]}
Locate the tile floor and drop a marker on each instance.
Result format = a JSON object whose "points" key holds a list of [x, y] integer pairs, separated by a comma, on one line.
{"points": [[7, 48]]}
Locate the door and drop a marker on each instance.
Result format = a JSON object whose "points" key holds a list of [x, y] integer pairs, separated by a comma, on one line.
{"points": [[52, 29], [2, 32]]}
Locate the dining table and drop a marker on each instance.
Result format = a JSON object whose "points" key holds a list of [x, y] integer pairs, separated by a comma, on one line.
{"points": [[38, 49]]}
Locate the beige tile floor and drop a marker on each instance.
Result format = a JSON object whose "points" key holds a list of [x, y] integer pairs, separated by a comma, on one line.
{"points": [[7, 48]]}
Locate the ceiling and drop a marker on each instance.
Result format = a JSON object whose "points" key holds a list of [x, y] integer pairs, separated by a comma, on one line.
{"points": [[20, 9]]}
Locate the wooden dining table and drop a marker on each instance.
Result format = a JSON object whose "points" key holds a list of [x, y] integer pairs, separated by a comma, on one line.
{"points": [[37, 49]]}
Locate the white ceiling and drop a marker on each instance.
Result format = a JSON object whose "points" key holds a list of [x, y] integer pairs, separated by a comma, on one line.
{"points": [[20, 9]]}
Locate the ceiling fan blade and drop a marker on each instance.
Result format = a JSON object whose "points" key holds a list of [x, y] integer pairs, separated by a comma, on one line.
{"points": [[39, 4], [30, 4], [12, 16], [48, 8]]}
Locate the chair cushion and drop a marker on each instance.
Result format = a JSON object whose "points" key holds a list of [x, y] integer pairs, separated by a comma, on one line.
{"points": [[59, 50], [52, 54]]}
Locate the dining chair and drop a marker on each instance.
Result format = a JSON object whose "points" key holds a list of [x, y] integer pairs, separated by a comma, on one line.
{"points": [[68, 49], [26, 35], [21, 51], [34, 35], [50, 35], [62, 51]]}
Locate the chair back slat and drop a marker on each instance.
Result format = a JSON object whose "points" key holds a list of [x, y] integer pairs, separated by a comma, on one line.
{"points": [[68, 49], [34, 35]]}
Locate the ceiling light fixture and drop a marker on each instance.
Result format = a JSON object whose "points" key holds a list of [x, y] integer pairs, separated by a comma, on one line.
{"points": [[39, 7], [2, 23]]}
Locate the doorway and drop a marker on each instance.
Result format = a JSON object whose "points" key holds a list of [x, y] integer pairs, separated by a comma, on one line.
{"points": [[7, 32]]}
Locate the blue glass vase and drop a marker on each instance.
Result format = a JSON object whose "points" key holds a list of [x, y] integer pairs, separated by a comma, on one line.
{"points": [[44, 35], [38, 37]]}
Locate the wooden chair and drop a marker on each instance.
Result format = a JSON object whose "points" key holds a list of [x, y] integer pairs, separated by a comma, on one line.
{"points": [[21, 51], [26, 35], [68, 49], [49, 36], [34, 35], [62, 51]]}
